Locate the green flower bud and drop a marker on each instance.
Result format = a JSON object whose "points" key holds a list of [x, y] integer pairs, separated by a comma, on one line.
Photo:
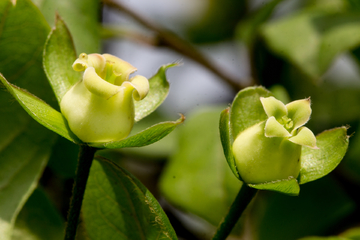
{"points": [[270, 150], [100, 107]]}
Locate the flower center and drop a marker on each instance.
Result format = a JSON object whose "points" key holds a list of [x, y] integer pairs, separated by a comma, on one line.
{"points": [[110, 76], [286, 122]]}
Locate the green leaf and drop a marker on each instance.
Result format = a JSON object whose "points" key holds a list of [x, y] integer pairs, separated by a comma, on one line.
{"points": [[117, 206], [312, 39], [82, 18], [247, 30], [197, 178], [159, 88], [145, 137], [23, 155], [59, 55], [227, 140], [316, 163], [324, 238], [321, 205], [289, 187], [40, 111], [38, 220], [247, 110]]}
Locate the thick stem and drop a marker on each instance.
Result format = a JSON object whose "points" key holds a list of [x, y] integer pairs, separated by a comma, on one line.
{"points": [[86, 156], [240, 203]]}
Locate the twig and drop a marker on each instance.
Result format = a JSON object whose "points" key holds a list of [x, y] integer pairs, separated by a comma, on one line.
{"points": [[171, 40]]}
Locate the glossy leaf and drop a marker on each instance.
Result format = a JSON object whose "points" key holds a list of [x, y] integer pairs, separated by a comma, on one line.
{"points": [[59, 55], [197, 178], [40, 111], [247, 110], [316, 163], [82, 18], [117, 206], [312, 39], [23, 157], [159, 88], [38, 220], [145, 137], [227, 140], [289, 187]]}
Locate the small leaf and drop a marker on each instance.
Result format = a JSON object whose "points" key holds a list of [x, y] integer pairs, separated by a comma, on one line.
{"points": [[117, 206], [39, 220], [159, 88], [289, 187], [247, 110], [145, 137], [59, 55], [227, 140], [316, 163], [40, 111]]}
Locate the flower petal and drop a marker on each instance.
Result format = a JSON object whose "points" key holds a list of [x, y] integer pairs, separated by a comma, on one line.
{"points": [[273, 107], [305, 137], [121, 68], [99, 86], [141, 85], [274, 129], [299, 111], [84, 61]]}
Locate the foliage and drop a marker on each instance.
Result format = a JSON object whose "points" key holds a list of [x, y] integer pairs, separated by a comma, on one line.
{"points": [[183, 185]]}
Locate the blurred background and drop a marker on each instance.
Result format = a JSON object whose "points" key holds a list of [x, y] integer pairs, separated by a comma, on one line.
{"points": [[295, 48]]}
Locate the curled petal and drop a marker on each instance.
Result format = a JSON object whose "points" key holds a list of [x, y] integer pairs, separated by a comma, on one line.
{"points": [[99, 86], [121, 68], [84, 61], [299, 111], [305, 137], [273, 107], [141, 85], [274, 129]]}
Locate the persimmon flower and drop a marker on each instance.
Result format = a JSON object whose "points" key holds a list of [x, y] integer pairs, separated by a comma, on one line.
{"points": [[287, 121], [100, 107], [270, 150]]}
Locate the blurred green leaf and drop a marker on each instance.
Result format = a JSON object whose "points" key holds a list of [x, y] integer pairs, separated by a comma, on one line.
{"points": [[197, 178], [59, 55], [289, 187], [38, 220], [218, 21], [82, 18], [312, 39], [227, 140], [247, 30], [23, 155], [40, 111], [247, 110], [24, 144], [316, 163], [324, 238], [321, 205], [117, 206], [159, 89], [352, 234], [145, 137]]}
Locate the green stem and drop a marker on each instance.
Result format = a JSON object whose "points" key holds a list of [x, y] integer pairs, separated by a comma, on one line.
{"points": [[86, 156], [240, 203]]}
